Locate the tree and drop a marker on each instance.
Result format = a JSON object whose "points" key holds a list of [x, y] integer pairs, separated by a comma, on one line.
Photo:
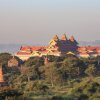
{"points": [[4, 57], [30, 72], [43, 88], [34, 61], [91, 70], [52, 73], [30, 62], [72, 67], [6, 92]]}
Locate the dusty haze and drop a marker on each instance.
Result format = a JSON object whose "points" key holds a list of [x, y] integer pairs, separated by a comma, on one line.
{"points": [[36, 21]]}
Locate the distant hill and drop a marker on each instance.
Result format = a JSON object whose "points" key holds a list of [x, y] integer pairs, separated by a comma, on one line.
{"points": [[13, 48], [93, 43]]}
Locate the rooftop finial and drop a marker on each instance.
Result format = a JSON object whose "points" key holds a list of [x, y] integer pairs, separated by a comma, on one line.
{"points": [[64, 37], [56, 37], [72, 38]]}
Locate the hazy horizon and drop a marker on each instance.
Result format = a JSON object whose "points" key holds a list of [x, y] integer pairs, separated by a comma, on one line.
{"points": [[37, 21]]}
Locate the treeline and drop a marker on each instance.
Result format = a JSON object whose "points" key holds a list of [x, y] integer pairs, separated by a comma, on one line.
{"points": [[63, 78]]}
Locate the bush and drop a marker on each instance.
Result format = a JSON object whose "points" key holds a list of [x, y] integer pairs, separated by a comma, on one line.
{"points": [[62, 98]]}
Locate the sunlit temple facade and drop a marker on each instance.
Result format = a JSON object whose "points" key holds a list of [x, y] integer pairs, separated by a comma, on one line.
{"points": [[58, 47]]}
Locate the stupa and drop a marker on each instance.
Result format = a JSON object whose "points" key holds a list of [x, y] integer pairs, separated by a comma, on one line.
{"points": [[2, 81]]}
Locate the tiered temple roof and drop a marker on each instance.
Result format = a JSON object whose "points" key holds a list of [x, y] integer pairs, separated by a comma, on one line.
{"points": [[57, 47]]}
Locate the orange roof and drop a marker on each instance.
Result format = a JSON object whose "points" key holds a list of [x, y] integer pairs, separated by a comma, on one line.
{"points": [[24, 48], [44, 51], [83, 54], [89, 47], [33, 48], [98, 53], [82, 50], [23, 53]]}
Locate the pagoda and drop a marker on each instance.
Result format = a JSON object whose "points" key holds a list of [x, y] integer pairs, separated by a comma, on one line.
{"points": [[54, 46], [2, 82]]}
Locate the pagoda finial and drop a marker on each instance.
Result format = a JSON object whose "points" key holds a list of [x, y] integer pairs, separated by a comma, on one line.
{"points": [[72, 39], [55, 38], [64, 37]]}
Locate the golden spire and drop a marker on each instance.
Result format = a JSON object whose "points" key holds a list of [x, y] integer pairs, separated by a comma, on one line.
{"points": [[64, 37], [55, 38]]}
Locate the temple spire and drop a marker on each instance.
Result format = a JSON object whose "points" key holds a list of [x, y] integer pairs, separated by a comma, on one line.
{"points": [[55, 38], [72, 39], [64, 37]]}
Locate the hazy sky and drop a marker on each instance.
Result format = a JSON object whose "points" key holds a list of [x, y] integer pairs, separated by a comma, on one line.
{"points": [[36, 21]]}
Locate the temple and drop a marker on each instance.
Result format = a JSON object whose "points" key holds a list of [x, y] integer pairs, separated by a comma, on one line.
{"points": [[59, 47], [2, 81]]}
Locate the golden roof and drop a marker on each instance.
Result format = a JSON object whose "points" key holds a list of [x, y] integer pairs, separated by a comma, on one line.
{"points": [[55, 38]]}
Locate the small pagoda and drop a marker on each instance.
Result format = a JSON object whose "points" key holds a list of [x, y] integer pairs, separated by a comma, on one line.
{"points": [[46, 60], [2, 81]]}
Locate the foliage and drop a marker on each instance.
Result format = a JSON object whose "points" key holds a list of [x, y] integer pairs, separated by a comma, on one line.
{"points": [[91, 70], [4, 57], [30, 62], [72, 67], [52, 73], [63, 78], [85, 89], [62, 98], [6, 92]]}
